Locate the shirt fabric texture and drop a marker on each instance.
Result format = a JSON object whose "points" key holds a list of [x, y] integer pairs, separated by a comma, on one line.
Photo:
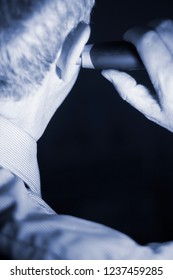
{"points": [[30, 229]]}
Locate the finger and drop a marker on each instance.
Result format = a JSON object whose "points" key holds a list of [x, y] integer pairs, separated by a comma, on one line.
{"points": [[136, 95], [164, 29], [155, 55]]}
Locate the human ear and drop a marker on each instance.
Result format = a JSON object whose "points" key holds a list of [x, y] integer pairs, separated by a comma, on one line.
{"points": [[71, 50]]}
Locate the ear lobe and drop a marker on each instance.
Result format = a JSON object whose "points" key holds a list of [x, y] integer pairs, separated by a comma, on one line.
{"points": [[71, 51]]}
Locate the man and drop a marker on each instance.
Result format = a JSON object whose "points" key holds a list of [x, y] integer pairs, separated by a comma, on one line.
{"points": [[40, 44]]}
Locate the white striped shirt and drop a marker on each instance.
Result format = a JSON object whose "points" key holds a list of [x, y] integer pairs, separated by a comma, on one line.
{"points": [[18, 154]]}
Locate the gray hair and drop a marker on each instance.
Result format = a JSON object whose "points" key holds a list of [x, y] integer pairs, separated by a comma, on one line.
{"points": [[31, 34]]}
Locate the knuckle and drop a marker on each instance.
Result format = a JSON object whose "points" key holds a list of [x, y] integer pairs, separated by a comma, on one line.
{"points": [[148, 38], [141, 88], [165, 23]]}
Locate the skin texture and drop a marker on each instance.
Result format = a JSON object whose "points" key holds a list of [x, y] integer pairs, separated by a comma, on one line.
{"points": [[52, 91], [154, 44]]}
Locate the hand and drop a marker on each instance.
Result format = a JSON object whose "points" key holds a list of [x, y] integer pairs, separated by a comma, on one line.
{"points": [[154, 44]]}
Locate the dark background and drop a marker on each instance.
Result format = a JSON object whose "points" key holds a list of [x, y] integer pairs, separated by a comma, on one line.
{"points": [[99, 158]]}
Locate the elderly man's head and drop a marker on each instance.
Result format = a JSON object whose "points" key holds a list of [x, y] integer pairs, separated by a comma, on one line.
{"points": [[31, 34]]}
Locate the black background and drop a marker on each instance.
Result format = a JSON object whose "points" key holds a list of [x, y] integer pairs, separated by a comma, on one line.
{"points": [[99, 158]]}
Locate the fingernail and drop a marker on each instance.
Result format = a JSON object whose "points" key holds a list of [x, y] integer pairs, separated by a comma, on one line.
{"points": [[127, 34]]}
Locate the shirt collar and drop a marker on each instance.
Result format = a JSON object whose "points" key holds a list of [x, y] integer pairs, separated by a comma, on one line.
{"points": [[18, 153]]}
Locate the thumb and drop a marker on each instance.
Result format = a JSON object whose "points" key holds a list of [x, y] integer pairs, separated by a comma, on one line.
{"points": [[121, 81], [135, 94]]}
